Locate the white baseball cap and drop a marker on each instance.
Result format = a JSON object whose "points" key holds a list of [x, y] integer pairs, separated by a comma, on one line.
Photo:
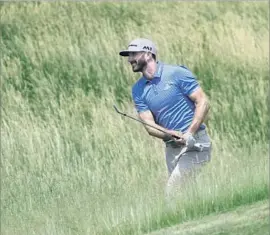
{"points": [[140, 44]]}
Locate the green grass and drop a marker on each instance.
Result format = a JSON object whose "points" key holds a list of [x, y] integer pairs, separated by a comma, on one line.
{"points": [[245, 220], [71, 165]]}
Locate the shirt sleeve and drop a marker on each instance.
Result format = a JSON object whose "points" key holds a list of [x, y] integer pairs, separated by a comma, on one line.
{"points": [[139, 103], [186, 81]]}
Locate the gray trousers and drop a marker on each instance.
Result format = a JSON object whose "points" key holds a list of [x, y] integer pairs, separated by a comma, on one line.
{"points": [[184, 163]]}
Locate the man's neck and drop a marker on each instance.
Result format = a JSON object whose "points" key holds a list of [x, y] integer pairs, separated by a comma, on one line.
{"points": [[150, 70]]}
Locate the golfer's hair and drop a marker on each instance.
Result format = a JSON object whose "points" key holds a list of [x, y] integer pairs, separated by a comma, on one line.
{"points": [[153, 55]]}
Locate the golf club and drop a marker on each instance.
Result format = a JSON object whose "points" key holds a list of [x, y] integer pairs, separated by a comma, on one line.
{"points": [[126, 115]]}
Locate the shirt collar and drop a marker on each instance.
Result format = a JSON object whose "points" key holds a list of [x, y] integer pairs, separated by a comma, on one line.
{"points": [[158, 72]]}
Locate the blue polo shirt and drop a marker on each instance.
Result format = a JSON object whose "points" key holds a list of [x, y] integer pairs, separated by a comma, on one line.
{"points": [[167, 96]]}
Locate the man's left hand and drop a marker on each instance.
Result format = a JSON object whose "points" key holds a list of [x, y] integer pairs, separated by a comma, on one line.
{"points": [[189, 139]]}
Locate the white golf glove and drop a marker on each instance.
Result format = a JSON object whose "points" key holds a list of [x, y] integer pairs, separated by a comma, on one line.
{"points": [[190, 140]]}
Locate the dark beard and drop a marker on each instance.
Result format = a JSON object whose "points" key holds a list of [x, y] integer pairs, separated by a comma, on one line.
{"points": [[141, 64]]}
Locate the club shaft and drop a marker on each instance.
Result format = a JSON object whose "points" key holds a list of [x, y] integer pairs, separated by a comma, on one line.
{"points": [[145, 123], [165, 132]]}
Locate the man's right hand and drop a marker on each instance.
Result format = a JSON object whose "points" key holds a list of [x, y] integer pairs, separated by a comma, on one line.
{"points": [[176, 137]]}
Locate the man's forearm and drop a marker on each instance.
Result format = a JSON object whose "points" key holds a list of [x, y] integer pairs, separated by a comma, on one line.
{"points": [[156, 133], [201, 111]]}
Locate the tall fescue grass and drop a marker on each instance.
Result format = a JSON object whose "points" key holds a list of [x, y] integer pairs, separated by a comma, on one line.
{"points": [[71, 165]]}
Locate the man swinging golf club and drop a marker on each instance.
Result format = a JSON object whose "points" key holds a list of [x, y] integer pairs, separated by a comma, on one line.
{"points": [[173, 107]]}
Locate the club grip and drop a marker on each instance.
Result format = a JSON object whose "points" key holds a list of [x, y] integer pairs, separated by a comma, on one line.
{"points": [[176, 137]]}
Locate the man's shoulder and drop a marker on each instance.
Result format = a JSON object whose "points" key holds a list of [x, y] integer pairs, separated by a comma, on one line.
{"points": [[176, 67], [176, 70]]}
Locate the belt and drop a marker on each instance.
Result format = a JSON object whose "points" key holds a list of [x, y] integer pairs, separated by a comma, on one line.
{"points": [[200, 133]]}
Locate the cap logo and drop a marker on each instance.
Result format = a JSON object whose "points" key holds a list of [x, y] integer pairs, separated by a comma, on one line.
{"points": [[132, 45], [148, 48]]}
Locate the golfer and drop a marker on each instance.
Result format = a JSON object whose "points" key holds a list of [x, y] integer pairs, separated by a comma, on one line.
{"points": [[169, 97]]}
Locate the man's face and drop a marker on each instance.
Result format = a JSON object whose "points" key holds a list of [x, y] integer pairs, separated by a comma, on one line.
{"points": [[137, 60]]}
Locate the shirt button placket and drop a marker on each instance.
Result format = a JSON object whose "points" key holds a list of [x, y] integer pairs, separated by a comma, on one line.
{"points": [[155, 89]]}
